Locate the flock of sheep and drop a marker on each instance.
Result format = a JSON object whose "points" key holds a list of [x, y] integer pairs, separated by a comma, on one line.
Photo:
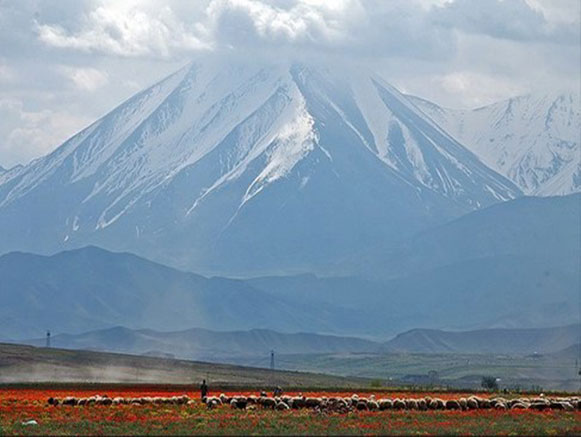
{"points": [[106, 400], [354, 402], [337, 404]]}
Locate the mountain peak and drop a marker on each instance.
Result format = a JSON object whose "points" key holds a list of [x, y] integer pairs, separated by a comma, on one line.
{"points": [[204, 160]]}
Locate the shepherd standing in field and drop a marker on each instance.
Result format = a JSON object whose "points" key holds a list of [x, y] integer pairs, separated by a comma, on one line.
{"points": [[203, 389]]}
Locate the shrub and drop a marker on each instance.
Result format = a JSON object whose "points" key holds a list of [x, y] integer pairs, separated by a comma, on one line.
{"points": [[489, 383]]}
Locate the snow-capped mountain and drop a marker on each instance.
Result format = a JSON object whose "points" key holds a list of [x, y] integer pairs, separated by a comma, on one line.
{"points": [[238, 168], [534, 140]]}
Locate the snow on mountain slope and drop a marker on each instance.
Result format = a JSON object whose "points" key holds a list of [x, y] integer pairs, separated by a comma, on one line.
{"points": [[293, 163], [534, 140]]}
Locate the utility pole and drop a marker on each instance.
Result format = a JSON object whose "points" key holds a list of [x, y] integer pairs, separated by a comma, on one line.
{"points": [[271, 360], [47, 338]]}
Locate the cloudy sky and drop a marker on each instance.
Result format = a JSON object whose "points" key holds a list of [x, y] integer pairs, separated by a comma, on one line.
{"points": [[64, 63]]}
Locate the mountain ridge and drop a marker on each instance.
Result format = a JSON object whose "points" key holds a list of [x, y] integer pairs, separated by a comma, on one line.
{"points": [[197, 343], [532, 139], [92, 288], [216, 160], [203, 344], [514, 341]]}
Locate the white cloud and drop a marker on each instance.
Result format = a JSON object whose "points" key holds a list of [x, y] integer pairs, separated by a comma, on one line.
{"points": [[7, 74], [558, 12], [128, 28], [508, 19], [303, 21], [86, 79], [36, 132], [134, 28], [477, 89], [408, 28]]}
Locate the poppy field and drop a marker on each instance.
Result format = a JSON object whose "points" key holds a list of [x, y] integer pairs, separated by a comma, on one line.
{"points": [[27, 411]]}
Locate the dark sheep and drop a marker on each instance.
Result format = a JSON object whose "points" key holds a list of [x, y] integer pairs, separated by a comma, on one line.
{"points": [[312, 402], [472, 404], [298, 402], [362, 406], [398, 404], [267, 402], [566, 406], [239, 403], [385, 404], [539, 406], [485, 404], [453, 404]]}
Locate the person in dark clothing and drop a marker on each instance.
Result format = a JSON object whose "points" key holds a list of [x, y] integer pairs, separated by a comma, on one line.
{"points": [[204, 389]]}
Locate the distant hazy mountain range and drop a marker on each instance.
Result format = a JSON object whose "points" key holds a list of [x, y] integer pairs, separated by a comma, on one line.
{"points": [[472, 273], [501, 341], [202, 344], [91, 288], [527, 229], [208, 345], [515, 264]]}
